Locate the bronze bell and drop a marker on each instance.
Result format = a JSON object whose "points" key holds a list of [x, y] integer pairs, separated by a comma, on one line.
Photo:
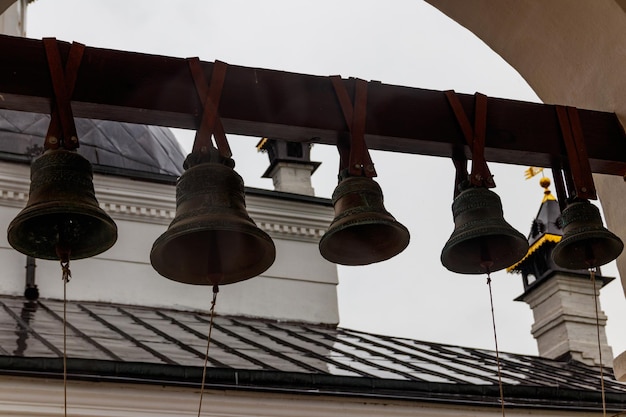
{"points": [[212, 240], [586, 243], [62, 212], [482, 241], [362, 232]]}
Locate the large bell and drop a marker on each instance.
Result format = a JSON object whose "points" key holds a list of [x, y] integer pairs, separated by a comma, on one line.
{"points": [[62, 213], [586, 243], [482, 241], [212, 240], [363, 232]]}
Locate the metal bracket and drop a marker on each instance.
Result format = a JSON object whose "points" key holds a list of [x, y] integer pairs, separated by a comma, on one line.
{"points": [[358, 162], [62, 129]]}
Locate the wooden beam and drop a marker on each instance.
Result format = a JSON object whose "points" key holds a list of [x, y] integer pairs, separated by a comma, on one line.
{"points": [[159, 90]]}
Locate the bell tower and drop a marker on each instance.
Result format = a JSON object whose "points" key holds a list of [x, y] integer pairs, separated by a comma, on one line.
{"points": [[562, 300]]}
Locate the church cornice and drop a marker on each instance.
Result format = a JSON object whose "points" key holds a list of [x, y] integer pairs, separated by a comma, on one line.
{"points": [[149, 202]]}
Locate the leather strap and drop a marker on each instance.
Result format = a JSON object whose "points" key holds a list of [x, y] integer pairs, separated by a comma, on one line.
{"points": [[474, 137], [578, 162], [355, 157], [211, 124], [62, 129]]}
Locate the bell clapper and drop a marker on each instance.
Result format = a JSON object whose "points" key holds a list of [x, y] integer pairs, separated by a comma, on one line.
{"points": [[485, 259], [590, 259], [495, 336], [216, 289]]}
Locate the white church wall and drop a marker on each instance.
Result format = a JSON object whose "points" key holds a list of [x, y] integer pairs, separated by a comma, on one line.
{"points": [[44, 397], [301, 285], [13, 19]]}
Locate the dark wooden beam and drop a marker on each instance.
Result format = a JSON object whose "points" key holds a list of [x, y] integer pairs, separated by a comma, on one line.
{"points": [[159, 90]]}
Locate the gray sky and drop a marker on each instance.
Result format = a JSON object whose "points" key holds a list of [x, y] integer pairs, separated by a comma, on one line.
{"points": [[401, 42]]}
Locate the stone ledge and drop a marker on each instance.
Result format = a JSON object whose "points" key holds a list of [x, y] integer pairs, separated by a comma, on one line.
{"points": [[619, 367]]}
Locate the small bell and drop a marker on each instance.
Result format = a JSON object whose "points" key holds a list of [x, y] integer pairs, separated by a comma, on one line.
{"points": [[586, 243], [212, 240], [62, 212], [482, 241], [362, 232]]}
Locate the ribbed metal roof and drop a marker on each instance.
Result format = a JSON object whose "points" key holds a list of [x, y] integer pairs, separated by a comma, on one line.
{"points": [[121, 145], [172, 340]]}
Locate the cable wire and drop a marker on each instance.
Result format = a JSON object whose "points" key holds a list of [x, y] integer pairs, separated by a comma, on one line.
{"points": [[592, 274], [66, 274], [495, 336], [208, 343]]}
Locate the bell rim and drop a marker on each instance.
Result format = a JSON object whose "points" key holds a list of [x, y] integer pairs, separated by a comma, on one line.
{"points": [[519, 250], [51, 208], [477, 269], [332, 256], [159, 248], [557, 252], [488, 230]]}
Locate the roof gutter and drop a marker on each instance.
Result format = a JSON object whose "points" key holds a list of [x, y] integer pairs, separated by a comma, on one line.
{"points": [[516, 396]]}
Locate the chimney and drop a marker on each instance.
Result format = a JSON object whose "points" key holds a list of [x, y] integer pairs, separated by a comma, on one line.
{"points": [[290, 165], [562, 300]]}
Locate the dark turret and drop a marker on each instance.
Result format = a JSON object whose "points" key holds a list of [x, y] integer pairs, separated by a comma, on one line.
{"points": [[561, 299]]}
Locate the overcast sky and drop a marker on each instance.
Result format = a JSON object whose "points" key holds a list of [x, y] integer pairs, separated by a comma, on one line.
{"points": [[402, 42]]}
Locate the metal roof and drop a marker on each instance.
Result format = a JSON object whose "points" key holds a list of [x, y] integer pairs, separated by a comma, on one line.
{"points": [[168, 345], [113, 144]]}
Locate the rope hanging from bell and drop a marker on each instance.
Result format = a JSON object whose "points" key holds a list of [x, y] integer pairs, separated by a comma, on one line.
{"points": [[482, 241], [212, 239], [362, 232]]}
